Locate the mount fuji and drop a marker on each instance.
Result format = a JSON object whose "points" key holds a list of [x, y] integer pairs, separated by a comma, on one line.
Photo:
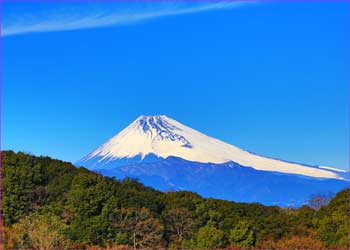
{"points": [[168, 155]]}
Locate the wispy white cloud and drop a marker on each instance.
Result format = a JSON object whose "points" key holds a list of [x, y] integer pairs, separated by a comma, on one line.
{"points": [[103, 16]]}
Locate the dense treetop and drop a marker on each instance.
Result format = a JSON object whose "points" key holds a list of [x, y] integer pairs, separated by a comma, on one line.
{"points": [[50, 204]]}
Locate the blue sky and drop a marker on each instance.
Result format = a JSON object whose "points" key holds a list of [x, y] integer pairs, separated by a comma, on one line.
{"points": [[268, 77]]}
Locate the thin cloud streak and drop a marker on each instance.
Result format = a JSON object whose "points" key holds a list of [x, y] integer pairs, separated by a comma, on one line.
{"points": [[63, 20]]}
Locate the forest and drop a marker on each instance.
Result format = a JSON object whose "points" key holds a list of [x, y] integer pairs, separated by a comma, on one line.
{"points": [[50, 204]]}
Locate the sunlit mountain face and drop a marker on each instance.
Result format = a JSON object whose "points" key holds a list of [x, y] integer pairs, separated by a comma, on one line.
{"points": [[168, 155]]}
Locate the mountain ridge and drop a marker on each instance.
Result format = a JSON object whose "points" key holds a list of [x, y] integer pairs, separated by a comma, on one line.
{"points": [[162, 136], [227, 181], [167, 155]]}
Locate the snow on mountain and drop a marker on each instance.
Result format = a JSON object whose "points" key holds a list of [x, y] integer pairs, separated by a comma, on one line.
{"points": [[333, 169], [162, 137], [227, 181]]}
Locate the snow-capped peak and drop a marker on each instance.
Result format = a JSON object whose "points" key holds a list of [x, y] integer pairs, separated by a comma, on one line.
{"points": [[164, 137]]}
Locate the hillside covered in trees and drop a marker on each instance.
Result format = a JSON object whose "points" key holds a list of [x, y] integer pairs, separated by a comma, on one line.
{"points": [[50, 204]]}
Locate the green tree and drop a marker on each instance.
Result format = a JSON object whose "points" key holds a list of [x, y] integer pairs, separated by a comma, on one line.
{"points": [[21, 174], [333, 221], [242, 235], [210, 237]]}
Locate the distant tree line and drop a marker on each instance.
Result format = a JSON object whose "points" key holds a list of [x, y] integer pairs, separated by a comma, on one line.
{"points": [[50, 204]]}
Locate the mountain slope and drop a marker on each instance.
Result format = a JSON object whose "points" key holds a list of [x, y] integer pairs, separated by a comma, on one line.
{"points": [[151, 138], [166, 155], [228, 181]]}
